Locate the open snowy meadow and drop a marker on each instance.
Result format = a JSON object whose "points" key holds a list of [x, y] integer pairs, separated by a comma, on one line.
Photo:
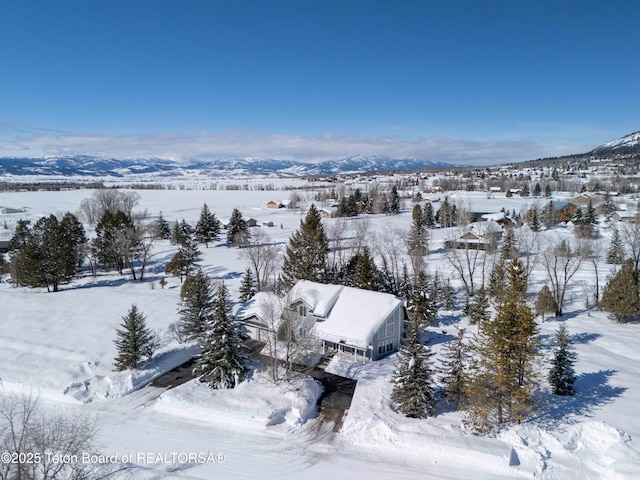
{"points": [[59, 347]]}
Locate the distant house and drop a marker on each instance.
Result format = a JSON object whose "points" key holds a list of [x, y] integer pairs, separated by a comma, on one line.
{"points": [[584, 199], [252, 222], [475, 241], [273, 204], [565, 211], [267, 224], [359, 324], [327, 212]]}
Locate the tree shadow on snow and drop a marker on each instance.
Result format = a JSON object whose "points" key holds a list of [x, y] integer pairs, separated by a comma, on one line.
{"points": [[592, 391], [439, 337], [548, 341]]}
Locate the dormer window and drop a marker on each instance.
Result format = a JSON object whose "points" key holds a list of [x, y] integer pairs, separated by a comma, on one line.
{"points": [[302, 310]]}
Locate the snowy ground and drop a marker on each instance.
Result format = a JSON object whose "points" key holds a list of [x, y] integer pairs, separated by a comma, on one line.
{"points": [[61, 347]]}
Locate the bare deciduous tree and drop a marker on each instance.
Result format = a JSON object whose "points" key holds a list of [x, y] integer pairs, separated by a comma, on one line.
{"points": [[561, 263], [107, 200], [466, 262], [264, 259], [528, 243], [288, 338], [57, 444], [335, 234], [361, 229], [389, 246]]}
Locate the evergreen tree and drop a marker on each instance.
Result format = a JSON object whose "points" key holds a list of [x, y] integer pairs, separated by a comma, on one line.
{"points": [[394, 201], [405, 289], [454, 370], [621, 294], [388, 281], [547, 190], [427, 216], [181, 233], [447, 296], [562, 375], [185, 261], [422, 306], [247, 287], [545, 303], [162, 229], [362, 272], [615, 254], [533, 219], [608, 206], [222, 363], [134, 341], [197, 306], [237, 230], [418, 239], [50, 253], [446, 215], [413, 391], [503, 366], [549, 216], [537, 190], [579, 217], [208, 227], [306, 255], [590, 216], [479, 307]]}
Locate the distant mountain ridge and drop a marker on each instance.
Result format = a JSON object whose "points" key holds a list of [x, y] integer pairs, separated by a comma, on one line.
{"points": [[95, 166], [627, 145]]}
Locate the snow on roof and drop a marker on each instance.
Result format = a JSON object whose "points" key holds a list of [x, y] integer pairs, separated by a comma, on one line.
{"points": [[493, 216], [265, 306], [352, 315], [318, 296], [356, 316]]}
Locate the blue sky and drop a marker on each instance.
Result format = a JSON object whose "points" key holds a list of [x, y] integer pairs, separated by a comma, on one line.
{"points": [[463, 81]]}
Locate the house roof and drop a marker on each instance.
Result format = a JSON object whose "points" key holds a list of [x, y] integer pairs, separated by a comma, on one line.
{"points": [[265, 307], [319, 297], [352, 315]]}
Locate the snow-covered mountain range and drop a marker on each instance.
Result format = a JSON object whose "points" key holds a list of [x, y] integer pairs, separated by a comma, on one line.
{"points": [[629, 144], [94, 166]]}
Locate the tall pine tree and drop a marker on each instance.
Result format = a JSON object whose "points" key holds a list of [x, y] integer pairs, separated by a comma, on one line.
{"points": [[134, 341], [615, 254], [222, 363], [306, 255], [237, 230], [247, 286], [504, 360], [562, 375], [413, 389], [454, 370], [197, 306], [207, 228]]}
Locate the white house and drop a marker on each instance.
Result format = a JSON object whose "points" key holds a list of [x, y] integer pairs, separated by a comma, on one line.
{"points": [[359, 324]]}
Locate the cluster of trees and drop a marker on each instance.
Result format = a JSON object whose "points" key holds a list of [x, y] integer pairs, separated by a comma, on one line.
{"points": [[49, 253], [372, 202], [206, 319], [493, 375]]}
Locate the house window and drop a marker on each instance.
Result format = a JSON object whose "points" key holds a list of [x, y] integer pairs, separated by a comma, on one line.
{"points": [[385, 347], [302, 310], [390, 327]]}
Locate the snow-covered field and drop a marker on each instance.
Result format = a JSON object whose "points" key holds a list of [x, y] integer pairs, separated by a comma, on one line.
{"points": [[60, 346]]}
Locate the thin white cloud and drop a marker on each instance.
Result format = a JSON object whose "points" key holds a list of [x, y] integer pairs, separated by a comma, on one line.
{"points": [[216, 145]]}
